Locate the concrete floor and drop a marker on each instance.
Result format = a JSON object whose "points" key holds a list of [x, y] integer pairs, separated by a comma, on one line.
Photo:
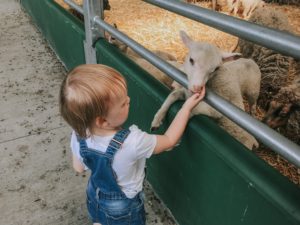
{"points": [[38, 185]]}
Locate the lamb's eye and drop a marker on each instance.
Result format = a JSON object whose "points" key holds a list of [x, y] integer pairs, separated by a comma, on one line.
{"points": [[191, 61]]}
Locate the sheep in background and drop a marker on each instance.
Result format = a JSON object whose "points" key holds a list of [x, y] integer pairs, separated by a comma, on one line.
{"points": [[248, 6], [216, 4], [231, 80], [231, 4], [284, 110], [287, 2], [273, 66]]}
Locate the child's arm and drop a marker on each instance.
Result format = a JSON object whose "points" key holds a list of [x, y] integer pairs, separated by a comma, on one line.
{"points": [[177, 127], [77, 165]]}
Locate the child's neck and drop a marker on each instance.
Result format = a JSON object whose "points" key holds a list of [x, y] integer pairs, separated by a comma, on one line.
{"points": [[106, 131]]}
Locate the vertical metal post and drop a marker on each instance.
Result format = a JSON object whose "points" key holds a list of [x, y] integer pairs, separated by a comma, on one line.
{"points": [[91, 9]]}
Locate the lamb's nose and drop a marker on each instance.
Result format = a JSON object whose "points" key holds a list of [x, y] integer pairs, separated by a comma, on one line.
{"points": [[197, 88]]}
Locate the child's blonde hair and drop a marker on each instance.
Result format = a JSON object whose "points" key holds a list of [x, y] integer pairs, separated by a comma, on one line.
{"points": [[86, 93]]}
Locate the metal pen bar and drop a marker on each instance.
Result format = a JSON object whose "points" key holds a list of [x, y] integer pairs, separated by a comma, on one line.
{"points": [[90, 34], [74, 6], [283, 42], [266, 135]]}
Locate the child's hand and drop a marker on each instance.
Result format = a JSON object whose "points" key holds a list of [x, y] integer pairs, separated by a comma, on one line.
{"points": [[192, 101]]}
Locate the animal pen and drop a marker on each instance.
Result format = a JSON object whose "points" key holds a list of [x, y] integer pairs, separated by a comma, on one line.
{"points": [[212, 178]]}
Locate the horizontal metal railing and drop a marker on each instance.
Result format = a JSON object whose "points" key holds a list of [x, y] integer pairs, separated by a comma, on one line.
{"points": [[283, 42], [266, 135], [75, 6]]}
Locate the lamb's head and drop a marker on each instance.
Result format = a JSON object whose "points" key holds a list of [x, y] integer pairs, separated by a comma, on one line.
{"points": [[201, 61], [283, 105]]}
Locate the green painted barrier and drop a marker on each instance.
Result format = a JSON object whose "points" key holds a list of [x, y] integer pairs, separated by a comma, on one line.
{"points": [[210, 178]]}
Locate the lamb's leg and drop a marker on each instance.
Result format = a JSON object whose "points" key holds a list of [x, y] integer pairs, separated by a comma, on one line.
{"points": [[252, 109], [230, 5], [177, 94], [214, 4], [254, 6], [252, 94], [236, 7], [246, 12], [252, 104]]}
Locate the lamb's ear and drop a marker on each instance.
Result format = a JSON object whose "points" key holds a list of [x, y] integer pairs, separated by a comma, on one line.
{"points": [[230, 56], [185, 39]]}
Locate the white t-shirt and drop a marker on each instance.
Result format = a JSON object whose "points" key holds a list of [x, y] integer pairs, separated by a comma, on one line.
{"points": [[129, 161]]}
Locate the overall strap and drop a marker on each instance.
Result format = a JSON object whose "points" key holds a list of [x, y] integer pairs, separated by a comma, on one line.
{"points": [[116, 142], [82, 142]]}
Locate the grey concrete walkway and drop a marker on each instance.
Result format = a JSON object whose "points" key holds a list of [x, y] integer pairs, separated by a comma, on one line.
{"points": [[38, 185]]}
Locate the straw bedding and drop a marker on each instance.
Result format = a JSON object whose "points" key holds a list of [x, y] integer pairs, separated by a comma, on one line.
{"points": [[158, 29]]}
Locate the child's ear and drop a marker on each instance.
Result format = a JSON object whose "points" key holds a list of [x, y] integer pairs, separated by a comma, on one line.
{"points": [[101, 122]]}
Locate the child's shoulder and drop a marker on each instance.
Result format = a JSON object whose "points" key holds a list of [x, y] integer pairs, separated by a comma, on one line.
{"points": [[135, 130], [141, 143], [141, 138]]}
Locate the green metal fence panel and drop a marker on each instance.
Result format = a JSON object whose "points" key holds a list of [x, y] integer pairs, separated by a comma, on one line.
{"points": [[64, 32], [210, 178]]}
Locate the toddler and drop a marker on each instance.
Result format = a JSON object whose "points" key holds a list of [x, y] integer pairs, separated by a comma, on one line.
{"points": [[94, 102]]}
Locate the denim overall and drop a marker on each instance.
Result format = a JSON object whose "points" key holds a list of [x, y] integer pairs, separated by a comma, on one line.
{"points": [[106, 202]]}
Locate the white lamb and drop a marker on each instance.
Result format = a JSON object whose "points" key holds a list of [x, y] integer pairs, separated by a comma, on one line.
{"points": [[231, 80], [248, 6]]}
